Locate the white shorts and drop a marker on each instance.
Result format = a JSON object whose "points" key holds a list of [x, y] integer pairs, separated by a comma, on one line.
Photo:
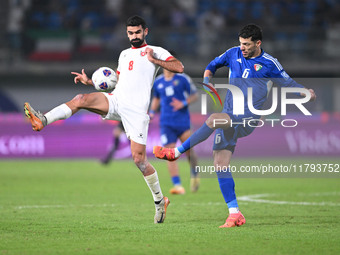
{"points": [[136, 123]]}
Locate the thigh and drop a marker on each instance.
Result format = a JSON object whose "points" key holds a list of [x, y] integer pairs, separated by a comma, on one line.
{"points": [[93, 102], [219, 120], [136, 124]]}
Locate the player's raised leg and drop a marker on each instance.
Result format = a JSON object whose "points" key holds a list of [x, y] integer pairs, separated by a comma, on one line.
{"points": [[197, 137], [151, 178], [93, 102], [227, 187], [37, 119]]}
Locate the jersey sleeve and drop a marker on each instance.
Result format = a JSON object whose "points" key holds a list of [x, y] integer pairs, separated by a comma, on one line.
{"points": [[220, 61], [281, 77], [162, 54]]}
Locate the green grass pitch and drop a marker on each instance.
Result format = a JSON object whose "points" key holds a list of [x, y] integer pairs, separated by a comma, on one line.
{"points": [[81, 207]]}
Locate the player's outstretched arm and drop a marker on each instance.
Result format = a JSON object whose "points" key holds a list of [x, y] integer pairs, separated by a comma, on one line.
{"points": [[82, 77], [172, 65], [207, 76]]}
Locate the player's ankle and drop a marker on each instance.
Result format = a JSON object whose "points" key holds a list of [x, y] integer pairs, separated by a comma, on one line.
{"points": [[44, 121], [234, 210], [177, 153]]}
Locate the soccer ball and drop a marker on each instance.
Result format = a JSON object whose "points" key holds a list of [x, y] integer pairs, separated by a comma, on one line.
{"points": [[104, 79]]}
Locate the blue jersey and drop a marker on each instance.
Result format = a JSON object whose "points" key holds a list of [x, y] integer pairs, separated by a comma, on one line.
{"points": [[259, 73], [179, 87]]}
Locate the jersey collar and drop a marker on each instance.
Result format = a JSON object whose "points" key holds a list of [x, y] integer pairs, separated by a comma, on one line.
{"points": [[262, 52]]}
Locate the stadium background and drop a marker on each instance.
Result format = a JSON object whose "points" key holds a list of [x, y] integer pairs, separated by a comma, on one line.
{"points": [[43, 41], [55, 196]]}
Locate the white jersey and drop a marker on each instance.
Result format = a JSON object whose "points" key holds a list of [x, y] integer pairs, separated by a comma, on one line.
{"points": [[136, 76]]}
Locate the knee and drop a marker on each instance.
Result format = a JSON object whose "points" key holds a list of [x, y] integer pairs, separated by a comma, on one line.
{"points": [[218, 162], [221, 161], [140, 161], [211, 121], [218, 120], [79, 100]]}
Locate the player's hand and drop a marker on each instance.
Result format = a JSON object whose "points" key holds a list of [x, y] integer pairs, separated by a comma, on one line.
{"points": [[210, 84], [151, 114], [149, 54], [82, 77], [312, 95], [177, 104]]}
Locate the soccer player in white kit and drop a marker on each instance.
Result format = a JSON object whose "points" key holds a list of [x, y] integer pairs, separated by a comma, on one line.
{"points": [[129, 102]]}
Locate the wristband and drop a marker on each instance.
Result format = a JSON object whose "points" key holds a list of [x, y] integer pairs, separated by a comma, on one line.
{"points": [[151, 112], [206, 80], [185, 103]]}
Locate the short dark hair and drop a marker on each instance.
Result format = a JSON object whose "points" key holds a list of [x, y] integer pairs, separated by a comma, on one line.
{"points": [[135, 21], [251, 31]]}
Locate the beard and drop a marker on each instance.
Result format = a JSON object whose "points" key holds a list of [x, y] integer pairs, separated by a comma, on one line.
{"points": [[136, 42], [250, 54]]}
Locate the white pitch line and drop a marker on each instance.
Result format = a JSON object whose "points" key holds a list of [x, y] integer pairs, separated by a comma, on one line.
{"points": [[319, 194], [257, 198]]}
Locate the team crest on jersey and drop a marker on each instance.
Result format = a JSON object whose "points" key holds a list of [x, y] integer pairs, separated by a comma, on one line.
{"points": [[257, 67], [142, 53], [175, 82]]}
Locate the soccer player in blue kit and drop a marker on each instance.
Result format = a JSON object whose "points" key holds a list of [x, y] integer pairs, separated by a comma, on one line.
{"points": [[249, 66], [173, 93]]}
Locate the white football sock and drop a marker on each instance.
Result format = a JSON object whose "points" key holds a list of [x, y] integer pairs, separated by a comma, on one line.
{"points": [[177, 153], [233, 210], [61, 112], [153, 183]]}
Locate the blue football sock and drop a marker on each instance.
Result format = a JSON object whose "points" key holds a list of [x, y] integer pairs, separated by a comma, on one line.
{"points": [[199, 136], [227, 186], [176, 180]]}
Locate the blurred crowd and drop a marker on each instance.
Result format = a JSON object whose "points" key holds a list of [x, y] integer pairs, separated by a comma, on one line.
{"points": [[94, 30], [199, 27], [95, 14]]}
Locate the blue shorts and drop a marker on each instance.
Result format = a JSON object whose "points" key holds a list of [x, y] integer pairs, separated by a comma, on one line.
{"points": [[170, 134], [227, 139]]}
